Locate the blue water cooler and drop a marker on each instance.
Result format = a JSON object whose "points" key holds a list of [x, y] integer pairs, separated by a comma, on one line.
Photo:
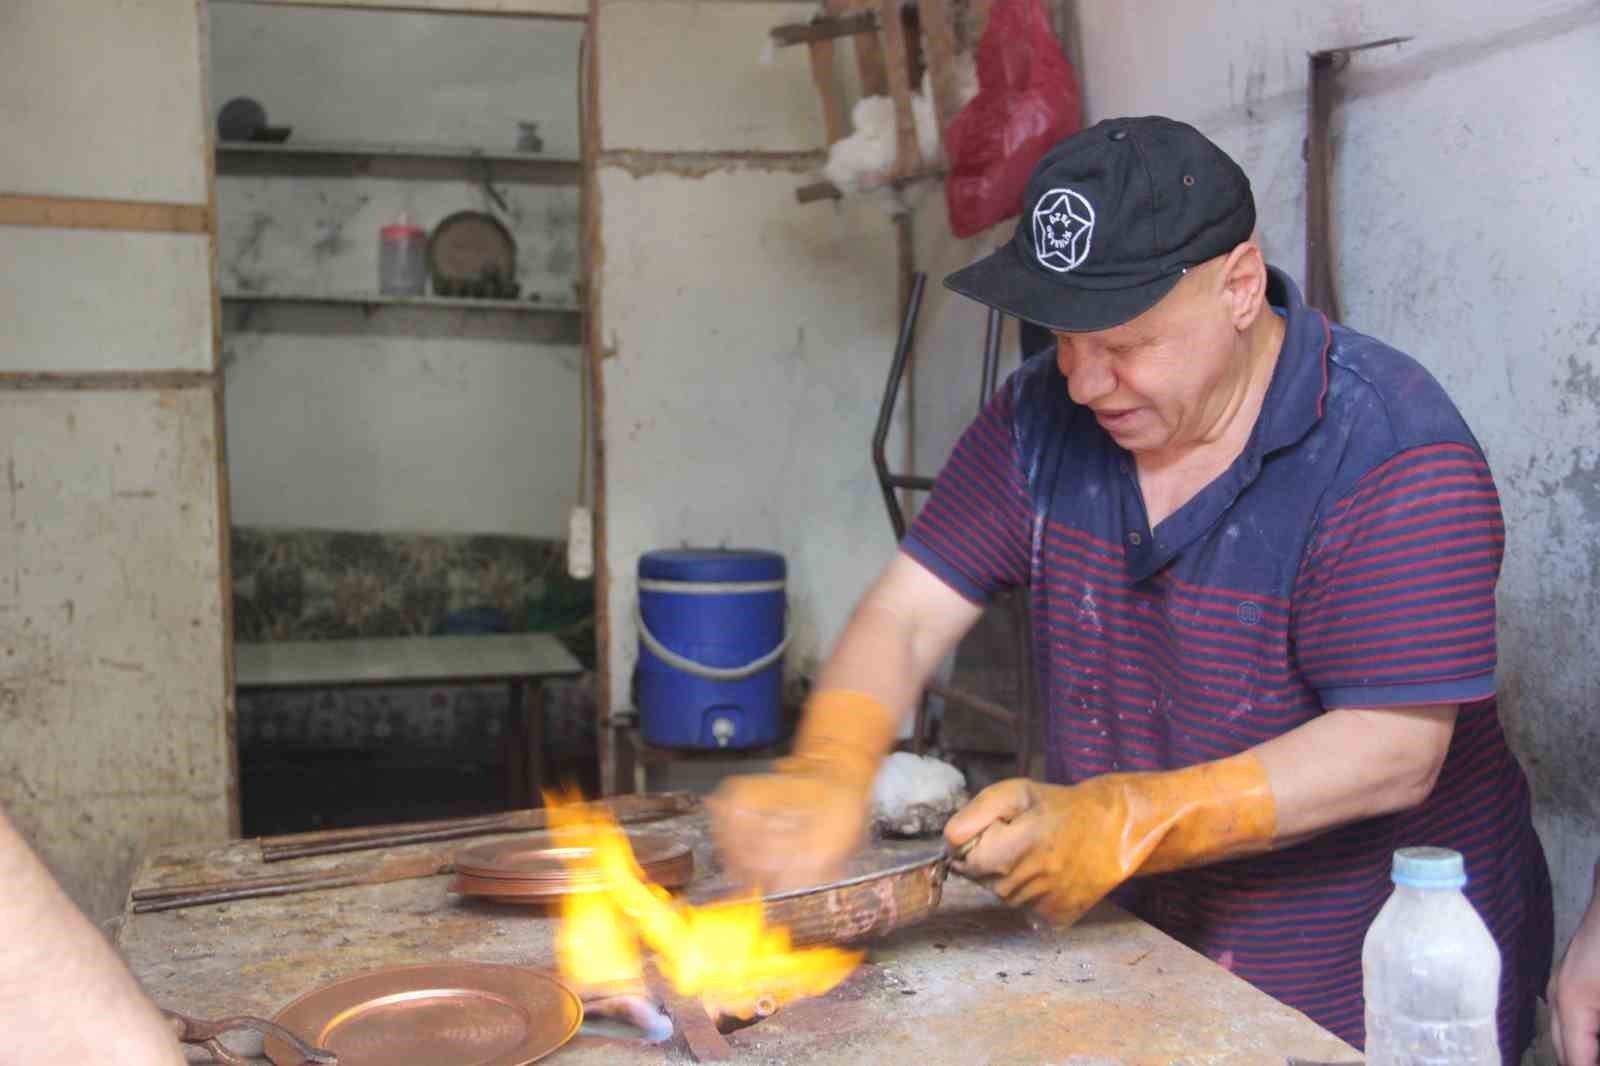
{"points": [[712, 632]]}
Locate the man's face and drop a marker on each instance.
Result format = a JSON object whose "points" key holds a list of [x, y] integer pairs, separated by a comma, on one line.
{"points": [[1159, 381]]}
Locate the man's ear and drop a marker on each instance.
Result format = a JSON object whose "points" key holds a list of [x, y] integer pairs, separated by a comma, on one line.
{"points": [[1244, 283]]}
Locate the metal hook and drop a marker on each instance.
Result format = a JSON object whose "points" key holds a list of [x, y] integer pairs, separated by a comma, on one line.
{"points": [[208, 1034]]}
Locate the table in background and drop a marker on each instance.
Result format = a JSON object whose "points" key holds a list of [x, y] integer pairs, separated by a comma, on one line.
{"points": [[520, 660]]}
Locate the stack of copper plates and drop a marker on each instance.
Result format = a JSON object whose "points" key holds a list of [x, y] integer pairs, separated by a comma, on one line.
{"points": [[533, 869]]}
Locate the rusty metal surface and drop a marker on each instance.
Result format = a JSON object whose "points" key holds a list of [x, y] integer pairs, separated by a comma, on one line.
{"points": [[970, 982], [452, 1014]]}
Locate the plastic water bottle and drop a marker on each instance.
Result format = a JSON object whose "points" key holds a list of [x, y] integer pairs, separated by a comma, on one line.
{"points": [[1430, 969]]}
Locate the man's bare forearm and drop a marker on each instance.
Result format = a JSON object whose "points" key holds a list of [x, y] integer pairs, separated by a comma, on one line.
{"points": [[65, 995], [898, 634]]}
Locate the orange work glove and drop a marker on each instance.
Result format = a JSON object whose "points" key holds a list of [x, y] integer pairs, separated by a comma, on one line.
{"points": [[795, 827], [1061, 848]]}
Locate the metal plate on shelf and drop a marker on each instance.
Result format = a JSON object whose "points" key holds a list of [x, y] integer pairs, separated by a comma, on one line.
{"points": [[449, 1014], [467, 249]]}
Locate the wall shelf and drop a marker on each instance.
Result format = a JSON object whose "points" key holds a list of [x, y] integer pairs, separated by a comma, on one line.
{"points": [[374, 299], [356, 159]]}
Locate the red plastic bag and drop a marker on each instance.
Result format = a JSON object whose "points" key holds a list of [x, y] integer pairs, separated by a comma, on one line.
{"points": [[1027, 101]]}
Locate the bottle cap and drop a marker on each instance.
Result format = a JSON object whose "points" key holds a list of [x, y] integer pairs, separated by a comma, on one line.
{"points": [[1429, 868], [402, 229]]}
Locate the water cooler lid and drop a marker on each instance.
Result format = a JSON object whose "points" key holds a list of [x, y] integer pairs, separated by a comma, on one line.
{"points": [[712, 564], [1429, 868]]}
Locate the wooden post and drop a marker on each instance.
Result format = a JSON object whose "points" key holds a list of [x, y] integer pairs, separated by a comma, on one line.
{"points": [[822, 74], [869, 53], [907, 156], [939, 34]]}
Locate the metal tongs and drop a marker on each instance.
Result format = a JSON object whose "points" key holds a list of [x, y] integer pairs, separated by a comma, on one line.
{"points": [[955, 855], [208, 1034]]}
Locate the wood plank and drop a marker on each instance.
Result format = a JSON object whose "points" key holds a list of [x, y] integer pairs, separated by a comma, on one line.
{"points": [[869, 50], [825, 29], [938, 34], [980, 19], [556, 9], [908, 156], [822, 75], [65, 212]]}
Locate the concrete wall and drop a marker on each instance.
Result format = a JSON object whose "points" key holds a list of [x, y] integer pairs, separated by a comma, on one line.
{"points": [[114, 711], [1467, 196], [398, 420], [743, 337]]}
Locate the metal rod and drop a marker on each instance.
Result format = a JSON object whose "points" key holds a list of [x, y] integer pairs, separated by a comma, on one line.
{"points": [[991, 358], [891, 392], [624, 809], [987, 708], [1319, 266], [1323, 68]]}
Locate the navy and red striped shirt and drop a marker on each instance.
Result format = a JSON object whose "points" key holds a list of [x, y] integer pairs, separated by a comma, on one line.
{"points": [[1347, 558]]}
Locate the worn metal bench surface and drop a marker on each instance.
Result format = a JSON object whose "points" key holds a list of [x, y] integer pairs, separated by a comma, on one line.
{"points": [[974, 983]]}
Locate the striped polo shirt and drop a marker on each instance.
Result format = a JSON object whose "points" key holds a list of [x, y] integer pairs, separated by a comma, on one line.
{"points": [[1347, 558]]}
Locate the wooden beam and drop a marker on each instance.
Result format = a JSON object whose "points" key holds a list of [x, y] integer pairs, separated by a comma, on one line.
{"points": [[869, 51], [980, 20], [105, 380], [897, 54], [824, 29], [822, 74], [938, 34], [818, 190], [58, 212], [554, 9]]}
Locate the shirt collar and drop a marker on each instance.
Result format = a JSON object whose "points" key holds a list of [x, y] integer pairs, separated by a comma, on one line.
{"points": [[1293, 405], [1300, 380]]}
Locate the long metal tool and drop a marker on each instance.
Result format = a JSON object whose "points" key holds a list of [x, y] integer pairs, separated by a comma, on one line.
{"points": [[625, 809], [1324, 67]]}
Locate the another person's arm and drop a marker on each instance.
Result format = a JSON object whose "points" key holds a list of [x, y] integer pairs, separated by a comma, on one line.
{"points": [[796, 827], [65, 996], [1575, 991]]}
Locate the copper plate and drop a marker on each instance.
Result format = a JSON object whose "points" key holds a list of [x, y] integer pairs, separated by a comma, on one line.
{"points": [[449, 1014], [532, 868]]}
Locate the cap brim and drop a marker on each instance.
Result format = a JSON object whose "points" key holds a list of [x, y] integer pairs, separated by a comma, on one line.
{"points": [[1002, 281]]}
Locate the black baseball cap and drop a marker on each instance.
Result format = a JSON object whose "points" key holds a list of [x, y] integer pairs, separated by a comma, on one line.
{"points": [[1112, 217]]}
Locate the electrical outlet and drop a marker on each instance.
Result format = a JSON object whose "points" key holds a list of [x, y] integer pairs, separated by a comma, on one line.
{"points": [[580, 543]]}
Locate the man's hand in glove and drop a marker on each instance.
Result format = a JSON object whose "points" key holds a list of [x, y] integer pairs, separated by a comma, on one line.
{"points": [[795, 828], [1061, 848]]}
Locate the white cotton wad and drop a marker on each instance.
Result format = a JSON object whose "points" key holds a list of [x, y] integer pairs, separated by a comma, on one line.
{"points": [[914, 795], [863, 160]]}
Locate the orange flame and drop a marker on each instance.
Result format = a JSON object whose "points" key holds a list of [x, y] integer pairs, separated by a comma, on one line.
{"points": [[723, 953]]}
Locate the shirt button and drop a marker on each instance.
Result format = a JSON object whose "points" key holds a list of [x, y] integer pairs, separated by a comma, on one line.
{"points": [[1135, 539]]}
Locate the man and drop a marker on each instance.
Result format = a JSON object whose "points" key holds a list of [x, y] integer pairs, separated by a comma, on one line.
{"points": [[1262, 552], [1575, 991], [66, 999]]}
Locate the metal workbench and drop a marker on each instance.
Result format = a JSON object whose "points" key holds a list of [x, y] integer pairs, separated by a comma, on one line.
{"points": [[973, 984]]}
